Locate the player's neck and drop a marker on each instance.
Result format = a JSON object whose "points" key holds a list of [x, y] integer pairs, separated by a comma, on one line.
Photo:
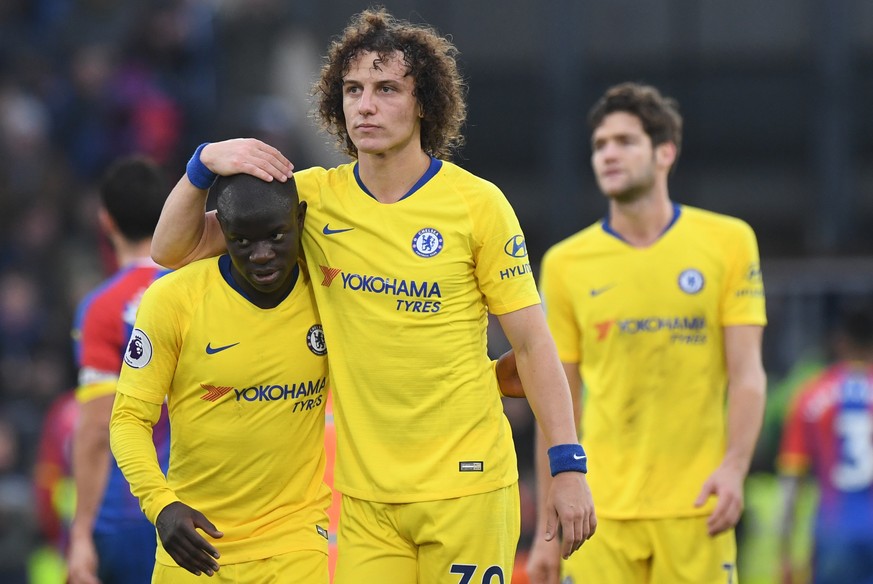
{"points": [[389, 176], [641, 222], [130, 253]]}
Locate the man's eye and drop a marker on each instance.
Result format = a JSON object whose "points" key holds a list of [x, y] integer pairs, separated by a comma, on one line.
{"points": [[278, 237]]}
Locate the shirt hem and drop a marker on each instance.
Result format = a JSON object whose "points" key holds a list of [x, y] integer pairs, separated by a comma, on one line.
{"points": [[675, 514], [421, 497]]}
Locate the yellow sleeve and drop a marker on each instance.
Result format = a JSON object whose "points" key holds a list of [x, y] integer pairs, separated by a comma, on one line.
{"points": [[559, 310], [130, 437], [502, 265], [743, 296], [91, 391]]}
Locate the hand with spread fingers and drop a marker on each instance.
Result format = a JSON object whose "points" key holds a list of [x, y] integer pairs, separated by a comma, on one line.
{"points": [[247, 156], [177, 526]]}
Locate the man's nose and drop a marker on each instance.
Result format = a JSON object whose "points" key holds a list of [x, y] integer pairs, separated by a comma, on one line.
{"points": [[262, 252], [366, 104]]}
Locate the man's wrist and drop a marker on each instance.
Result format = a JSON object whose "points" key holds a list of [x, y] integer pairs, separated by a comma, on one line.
{"points": [[198, 174], [567, 458], [81, 527], [737, 463]]}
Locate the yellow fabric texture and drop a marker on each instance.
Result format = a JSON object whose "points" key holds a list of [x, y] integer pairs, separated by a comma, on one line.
{"points": [[246, 389], [404, 290], [646, 326]]}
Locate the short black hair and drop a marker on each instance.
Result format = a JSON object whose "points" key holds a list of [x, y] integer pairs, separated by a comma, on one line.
{"points": [[238, 194], [856, 324], [133, 191]]}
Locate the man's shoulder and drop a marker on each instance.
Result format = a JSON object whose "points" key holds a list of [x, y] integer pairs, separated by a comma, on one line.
{"points": [[818, 393], [312, 181], [320, 172], [579, 242], [120, 286], [192, 276], [712, 221], [463, 177], [315, 174]]}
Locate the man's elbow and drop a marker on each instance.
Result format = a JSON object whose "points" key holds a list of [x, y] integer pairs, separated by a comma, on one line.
{"points": [[163, 258]]}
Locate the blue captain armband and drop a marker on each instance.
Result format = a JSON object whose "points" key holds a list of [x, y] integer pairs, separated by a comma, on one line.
{"points": [[199, 176], [567, 458]]}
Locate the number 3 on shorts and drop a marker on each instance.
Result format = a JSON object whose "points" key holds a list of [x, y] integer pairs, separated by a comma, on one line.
{"points": [[467, 571]]}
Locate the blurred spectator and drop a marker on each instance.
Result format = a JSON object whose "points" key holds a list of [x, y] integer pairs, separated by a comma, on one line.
{"points": [[82, 110], [52, 478], [175, 42], [17, 522], [21, 320], [24, 137]]}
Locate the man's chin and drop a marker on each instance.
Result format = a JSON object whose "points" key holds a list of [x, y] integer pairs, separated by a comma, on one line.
{"points": [[624, 196]]}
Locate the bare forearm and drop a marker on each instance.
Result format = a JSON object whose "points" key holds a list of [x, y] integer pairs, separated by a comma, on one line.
{"points": [[541, 460], [745, 416], [507, 376], [746, 391], [541, 373], [548, 393], [183, 232], [543, 478], [90, 472], [789, 487]]}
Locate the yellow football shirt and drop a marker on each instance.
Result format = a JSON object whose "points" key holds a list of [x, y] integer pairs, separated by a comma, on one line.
{"points": [[646, 327], [246, 389], [404, 291]]}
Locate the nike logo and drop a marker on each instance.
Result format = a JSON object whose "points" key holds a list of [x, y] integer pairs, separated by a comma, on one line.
{"points": [[328, 231], [211, 351], [577, 457], [598, 291]]}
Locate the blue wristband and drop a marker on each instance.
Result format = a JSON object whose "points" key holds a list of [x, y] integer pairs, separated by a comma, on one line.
{"points": [[567, 458], [200, 176]]}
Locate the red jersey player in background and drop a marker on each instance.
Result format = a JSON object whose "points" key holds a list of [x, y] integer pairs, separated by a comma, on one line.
{"points": [[829, 434], [111, 540]]}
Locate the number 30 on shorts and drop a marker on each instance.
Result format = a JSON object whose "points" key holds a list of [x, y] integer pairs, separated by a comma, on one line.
{"points": [[493, 575]]}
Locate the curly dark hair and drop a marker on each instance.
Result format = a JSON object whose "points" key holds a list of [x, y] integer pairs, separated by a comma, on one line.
{"points": [[659, 114], [431, 61]]}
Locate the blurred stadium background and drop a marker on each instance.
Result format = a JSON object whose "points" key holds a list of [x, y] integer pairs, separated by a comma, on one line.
{"points": [[776, 132]]}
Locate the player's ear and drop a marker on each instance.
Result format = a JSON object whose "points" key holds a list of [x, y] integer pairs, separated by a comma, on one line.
{"points": [[107, 223], [665, 154]]}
